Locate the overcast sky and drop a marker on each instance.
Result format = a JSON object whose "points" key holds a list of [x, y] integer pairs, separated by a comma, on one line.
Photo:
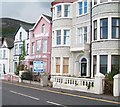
{"points": [[26, 10]]}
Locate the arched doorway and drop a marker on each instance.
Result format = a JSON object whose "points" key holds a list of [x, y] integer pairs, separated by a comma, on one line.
{"points": [[83, 66]]}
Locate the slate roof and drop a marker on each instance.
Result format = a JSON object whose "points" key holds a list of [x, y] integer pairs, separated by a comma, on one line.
{"points": [[10, 42], [48, 17], [27, 26]]}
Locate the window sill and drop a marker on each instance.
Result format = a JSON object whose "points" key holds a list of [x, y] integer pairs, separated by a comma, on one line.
{"points": [[82, 15], [62, 18]]}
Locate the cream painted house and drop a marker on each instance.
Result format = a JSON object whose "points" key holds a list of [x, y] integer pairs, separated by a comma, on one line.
{"points": [[85, 40]]}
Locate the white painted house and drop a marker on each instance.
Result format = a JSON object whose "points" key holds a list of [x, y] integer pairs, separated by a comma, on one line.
{"points": [[6, 57], [22, 34]]}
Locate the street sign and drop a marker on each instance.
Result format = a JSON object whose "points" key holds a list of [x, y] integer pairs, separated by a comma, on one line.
{"points": [[38, 66]]}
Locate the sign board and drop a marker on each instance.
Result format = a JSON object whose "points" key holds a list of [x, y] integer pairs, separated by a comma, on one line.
{"points": [[38, 66]]}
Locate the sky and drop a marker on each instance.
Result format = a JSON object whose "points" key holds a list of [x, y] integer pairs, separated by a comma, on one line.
{"points": [[25, 10]]}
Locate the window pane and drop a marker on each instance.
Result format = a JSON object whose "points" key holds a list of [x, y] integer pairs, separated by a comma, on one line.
{"points": [[104, 29], [95, 30], [38, 43], [115, 28], [103, 63], [58, 65], [94, 65], [115, 63], [59, 11], [65, 65], [85, 6], [66, 37], [66, 10], [80, 8], [44, 46], [58, 37]]}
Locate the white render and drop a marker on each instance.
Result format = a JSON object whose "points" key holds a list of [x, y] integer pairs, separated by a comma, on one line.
{"points": [[6, 59], [77, 50], [19, 42], [116, 87]]}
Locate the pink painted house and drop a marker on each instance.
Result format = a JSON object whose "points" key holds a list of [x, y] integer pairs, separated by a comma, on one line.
{"points": [[40, 43]]}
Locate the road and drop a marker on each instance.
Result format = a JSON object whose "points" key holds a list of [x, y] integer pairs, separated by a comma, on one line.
{"points": [[13, 94]]}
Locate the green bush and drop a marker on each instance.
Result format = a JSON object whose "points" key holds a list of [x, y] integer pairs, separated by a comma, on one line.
{"points": [[113, 72], [27, 76], [108, 86]]}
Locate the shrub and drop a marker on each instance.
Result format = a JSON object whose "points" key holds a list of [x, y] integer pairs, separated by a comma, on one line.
{"points": [[108, 86], [27, 76]]}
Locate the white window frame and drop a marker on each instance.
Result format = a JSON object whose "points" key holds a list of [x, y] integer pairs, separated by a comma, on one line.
{"points": [[81, 34], [68, 10], [67, 36], [83, 7]]}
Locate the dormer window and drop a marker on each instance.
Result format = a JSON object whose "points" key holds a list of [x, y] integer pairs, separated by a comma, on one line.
{"points": [[43, 28]]}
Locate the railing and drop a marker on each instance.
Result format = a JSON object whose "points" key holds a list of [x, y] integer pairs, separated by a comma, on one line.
{"points": [[74, 81]]}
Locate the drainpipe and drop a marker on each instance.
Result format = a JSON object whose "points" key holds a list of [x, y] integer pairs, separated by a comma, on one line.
{"points": [[90, 37]]}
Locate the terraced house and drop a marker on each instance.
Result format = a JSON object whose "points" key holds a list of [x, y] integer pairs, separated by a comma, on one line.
{"points": [[6, 57], [40, 43], [85, 40], [22, 34]]}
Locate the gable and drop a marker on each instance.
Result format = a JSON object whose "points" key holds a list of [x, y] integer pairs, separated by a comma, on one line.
{"points": [[4, 45], [42, 17], [17, 36]]}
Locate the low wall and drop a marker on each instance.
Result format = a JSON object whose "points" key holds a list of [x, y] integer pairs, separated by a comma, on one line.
{"points": [[89, 85]]}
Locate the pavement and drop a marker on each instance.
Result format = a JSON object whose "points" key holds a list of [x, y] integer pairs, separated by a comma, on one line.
{"points": [[84, 94]]}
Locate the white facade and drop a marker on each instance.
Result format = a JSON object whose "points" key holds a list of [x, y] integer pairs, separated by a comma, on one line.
{"points": [[6, 59], [21, 35], [94, 35], [76, 20]]}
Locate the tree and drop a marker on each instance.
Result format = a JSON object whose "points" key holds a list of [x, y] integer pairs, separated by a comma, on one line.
{"points": [[21, 59], [22, 56]]}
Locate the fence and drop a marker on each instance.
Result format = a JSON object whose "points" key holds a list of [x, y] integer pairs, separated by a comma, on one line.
{"points": [[10, 77]]}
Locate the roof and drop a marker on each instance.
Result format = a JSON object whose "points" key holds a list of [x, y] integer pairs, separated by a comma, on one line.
{"points": [[27, 26], [62, 1], [10, 42], [46, 17]]}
